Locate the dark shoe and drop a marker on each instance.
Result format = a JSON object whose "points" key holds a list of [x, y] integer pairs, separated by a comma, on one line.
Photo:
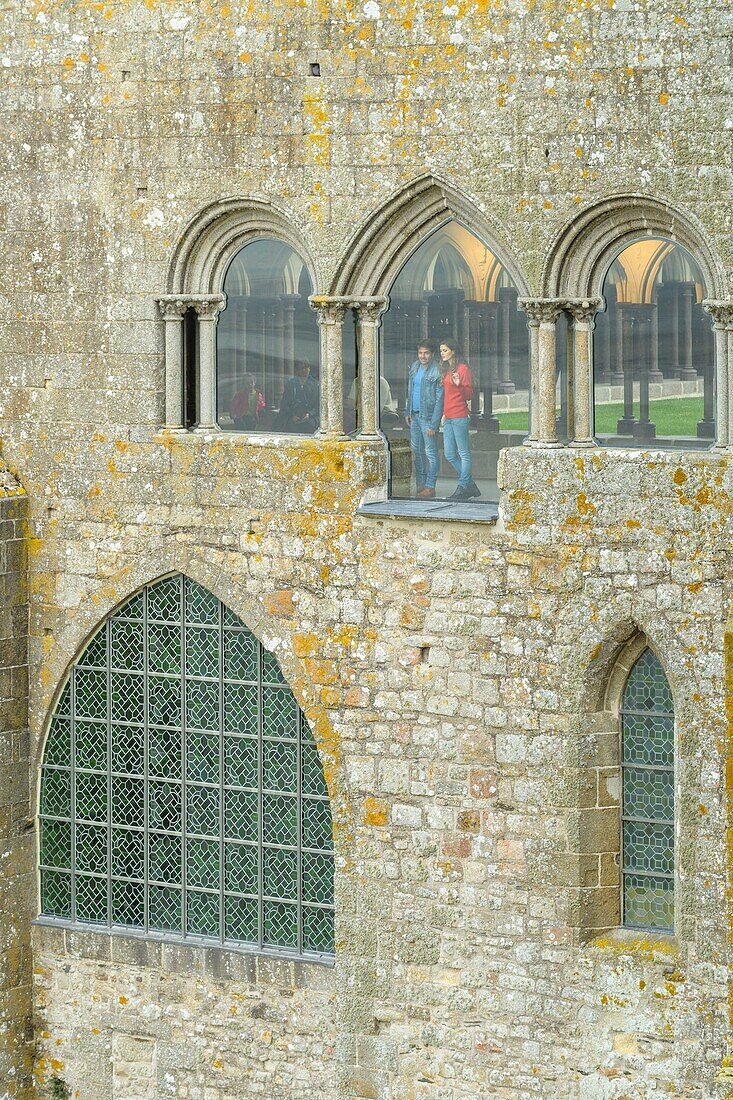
{"points": [[461, 494], [426, 493], [473, 490]]}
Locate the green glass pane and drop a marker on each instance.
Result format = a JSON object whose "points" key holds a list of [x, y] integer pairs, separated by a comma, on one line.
{"points": [[128, 853], [240, 655], [648, 739], [648, 794], [317, 877], [164, 909], [280, 873], [648, 903], [279, 712], [128, 749], [280, 924], [202, 757], [202, 705], [201, 605], [241, 868], [240, 815], [56, 793], [279, 765], [240, 762], [240, 709], [202, 810], [202, 651], [91, 797], [241, 920], [271, 671], [164, 600], [311, 770], [128, 904], [56, 843], [91, 899], [56, 894], [203, 863], [58, 745], [317, 824], [164, 701], [280, 819], [131, 609], [91, 745], [91, 693], [63, 707], [230, 618], [128, 802], [165, 861], [91, 848], [128, 697], [164, 753], [318, 930], [164, 648], [647, 687], [165, 806], [648, 847], [95, 654], [126, 649], [202, 913]]}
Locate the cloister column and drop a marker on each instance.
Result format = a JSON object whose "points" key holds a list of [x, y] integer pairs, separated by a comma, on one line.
{"points": [[583, 312], [207, 309], [721, 312], [543, 314], [506, 299], [172, 309], [369, 312], [330, 313], [688, 372]]}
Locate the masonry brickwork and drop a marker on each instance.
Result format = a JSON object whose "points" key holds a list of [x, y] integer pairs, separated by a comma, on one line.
{"points": [[461, 679]]}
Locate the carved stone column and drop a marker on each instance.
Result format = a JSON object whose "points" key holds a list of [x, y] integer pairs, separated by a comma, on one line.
{"points": [[721, 312], [330, 312], [172, 309], [688, 372], [507, 299], [543, 314], [583, 312], [369, 312], [207, 309]]}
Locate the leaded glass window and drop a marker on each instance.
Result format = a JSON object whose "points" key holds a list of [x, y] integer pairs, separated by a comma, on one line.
{"points": [[182, 792], [647, 722]]}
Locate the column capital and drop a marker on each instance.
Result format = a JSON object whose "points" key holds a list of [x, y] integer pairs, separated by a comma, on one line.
{"points": [[583, 310], [330, 309], [720, 310], [207, 306], [173, 306], [542, 310], [369, 309]]}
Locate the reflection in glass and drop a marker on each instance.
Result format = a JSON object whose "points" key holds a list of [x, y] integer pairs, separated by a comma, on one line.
{"points": [[454, 288], [267, 345], [653, 347]]}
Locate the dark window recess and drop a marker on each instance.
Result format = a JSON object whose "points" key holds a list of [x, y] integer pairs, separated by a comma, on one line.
{"points": [[190, 367]]}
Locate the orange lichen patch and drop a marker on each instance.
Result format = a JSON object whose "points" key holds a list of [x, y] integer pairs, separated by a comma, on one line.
{"points": [[664, 98], [632, 524], [123, 1000], [281, 603], [585, 507], [375, 811], [56, 1064], [702, 810]]}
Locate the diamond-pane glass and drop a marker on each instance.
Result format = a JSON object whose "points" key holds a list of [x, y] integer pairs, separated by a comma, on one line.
{"points": [[181, 789], [647, 724]]}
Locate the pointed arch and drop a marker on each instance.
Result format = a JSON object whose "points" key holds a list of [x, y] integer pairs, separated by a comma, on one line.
{"points": [[388, 237]]}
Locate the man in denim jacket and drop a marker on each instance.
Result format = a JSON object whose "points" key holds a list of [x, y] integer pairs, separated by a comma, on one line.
{"points": [[423, 412]]}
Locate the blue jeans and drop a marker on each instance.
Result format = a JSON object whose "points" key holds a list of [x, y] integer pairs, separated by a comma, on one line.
{"points": [[424, 452], [458, 449]]}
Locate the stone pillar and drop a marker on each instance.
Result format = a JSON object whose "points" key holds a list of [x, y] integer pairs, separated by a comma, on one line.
{"points": [[369, 312], [644, 429], [627, 360], [655, 375], [543, 313], [208, 307], [583, 312], [688, 372], [506, 298], [721, 312], [172, 309], [330, 313]]}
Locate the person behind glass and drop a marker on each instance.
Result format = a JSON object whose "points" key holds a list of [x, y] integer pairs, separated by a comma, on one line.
{"points": [[246, 405], [458, 387], [300, 401], [423, 410]]}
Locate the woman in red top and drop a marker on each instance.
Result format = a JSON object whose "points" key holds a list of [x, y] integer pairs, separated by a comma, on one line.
{"points": [[458, 386]]}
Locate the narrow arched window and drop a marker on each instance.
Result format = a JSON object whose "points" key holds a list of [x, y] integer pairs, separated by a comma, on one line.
{"points": [[182, 792], [647, 772]]}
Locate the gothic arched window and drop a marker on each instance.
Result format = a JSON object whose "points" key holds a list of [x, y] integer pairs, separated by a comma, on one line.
{"points": [[647, 809], [182, 792]]}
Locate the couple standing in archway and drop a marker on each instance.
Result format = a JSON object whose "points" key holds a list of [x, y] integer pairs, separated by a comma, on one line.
{"points": [[440, 389]]}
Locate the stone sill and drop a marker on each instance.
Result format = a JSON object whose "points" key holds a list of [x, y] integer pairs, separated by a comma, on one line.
{"points": [[648, 947], [215, 961], [458, 512]]}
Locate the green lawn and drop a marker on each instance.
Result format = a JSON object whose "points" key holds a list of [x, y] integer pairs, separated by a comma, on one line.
{"points": [[673, 416]]}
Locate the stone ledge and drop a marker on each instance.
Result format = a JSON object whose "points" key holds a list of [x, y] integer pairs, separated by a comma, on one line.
{"points": [[463, 512]]}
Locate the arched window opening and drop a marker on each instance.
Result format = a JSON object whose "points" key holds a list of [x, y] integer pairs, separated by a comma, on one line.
{"points": [[453, 288], [654, 352], [267, 343], [647, 811], [182, 792]]}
